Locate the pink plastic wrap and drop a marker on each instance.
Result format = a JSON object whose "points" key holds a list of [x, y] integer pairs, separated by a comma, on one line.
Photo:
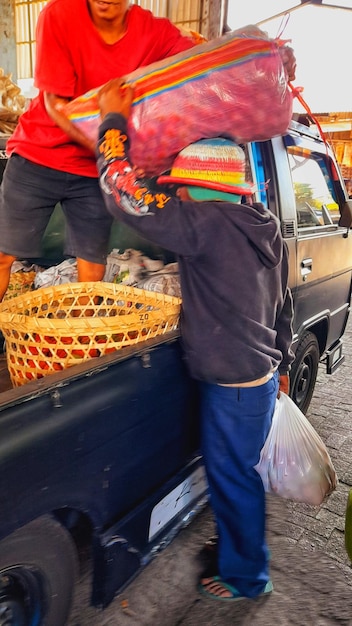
{"points": [[234, 86]]}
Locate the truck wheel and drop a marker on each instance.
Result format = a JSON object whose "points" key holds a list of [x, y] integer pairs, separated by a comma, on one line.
{"points": [[304, 371], [38, 565]]}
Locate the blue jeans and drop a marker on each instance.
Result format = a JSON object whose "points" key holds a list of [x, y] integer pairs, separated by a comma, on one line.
{"points": [[235, 424]]}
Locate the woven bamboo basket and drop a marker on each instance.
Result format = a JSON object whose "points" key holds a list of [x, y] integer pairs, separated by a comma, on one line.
{"points": [[53, 328], [20, 282]]}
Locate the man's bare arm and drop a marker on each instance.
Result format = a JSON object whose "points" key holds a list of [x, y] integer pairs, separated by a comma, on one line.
{"points": [[54, 105]]}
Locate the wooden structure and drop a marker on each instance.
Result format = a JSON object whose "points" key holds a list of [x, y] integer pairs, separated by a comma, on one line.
{"points": [[337, 127]]}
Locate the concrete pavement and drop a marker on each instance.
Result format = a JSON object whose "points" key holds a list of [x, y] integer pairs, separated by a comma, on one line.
{"points": [[310, 569]]}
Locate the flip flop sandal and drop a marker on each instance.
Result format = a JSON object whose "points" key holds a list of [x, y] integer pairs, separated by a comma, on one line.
{"points": [[203, 588]]}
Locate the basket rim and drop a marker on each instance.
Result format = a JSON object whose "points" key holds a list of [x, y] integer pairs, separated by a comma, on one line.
{"points": [[166, 307], [101, 286], [82, 324]]}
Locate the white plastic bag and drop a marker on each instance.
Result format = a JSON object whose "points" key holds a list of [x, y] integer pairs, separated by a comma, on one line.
{"points": [[294, 462]]}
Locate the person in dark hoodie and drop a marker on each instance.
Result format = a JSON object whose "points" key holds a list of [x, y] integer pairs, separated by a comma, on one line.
{"points": [[236, 320]]}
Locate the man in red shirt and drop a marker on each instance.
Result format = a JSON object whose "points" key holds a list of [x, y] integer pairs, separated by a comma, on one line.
{"points": [[81, 44]]}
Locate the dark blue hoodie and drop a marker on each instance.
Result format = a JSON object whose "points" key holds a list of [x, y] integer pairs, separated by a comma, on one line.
{"points": [[236, 306]]}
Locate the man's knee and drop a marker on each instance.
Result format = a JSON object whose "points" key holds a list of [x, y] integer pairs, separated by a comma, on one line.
{"points": [[6, 261]]}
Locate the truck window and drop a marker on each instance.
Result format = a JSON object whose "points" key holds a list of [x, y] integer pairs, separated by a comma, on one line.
{"points": [[315, 204]]}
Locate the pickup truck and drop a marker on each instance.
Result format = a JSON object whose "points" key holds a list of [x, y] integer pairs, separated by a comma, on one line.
{"points": [[105, 454]]}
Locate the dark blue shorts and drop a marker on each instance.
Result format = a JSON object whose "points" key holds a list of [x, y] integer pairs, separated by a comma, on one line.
{"points": [[29, 194]]}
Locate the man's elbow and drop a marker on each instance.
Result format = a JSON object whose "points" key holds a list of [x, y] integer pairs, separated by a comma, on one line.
{"points": [[54, 103]]}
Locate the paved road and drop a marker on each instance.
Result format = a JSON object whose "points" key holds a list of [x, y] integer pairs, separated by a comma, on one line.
{"points": [[311, 572]]}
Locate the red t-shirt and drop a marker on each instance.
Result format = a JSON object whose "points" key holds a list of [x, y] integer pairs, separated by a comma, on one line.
{"points": [[71, 59]]}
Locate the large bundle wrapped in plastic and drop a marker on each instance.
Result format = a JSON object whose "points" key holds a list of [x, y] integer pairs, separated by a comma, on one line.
{"points": [[235, 85]]}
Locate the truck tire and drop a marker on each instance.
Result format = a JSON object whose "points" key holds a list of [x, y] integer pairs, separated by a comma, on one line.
{"points": [[304, 371], [38, 566]]}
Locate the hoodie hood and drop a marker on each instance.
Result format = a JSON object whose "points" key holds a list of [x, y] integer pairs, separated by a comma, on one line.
{"points": [[262, 229]]}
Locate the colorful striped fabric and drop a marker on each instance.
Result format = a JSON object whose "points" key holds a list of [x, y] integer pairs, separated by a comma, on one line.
{"points": [[234, 86], [227, 53]]}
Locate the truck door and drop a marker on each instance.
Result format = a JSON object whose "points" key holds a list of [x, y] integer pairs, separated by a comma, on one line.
{"points": [[323, 249], [298, 180]]}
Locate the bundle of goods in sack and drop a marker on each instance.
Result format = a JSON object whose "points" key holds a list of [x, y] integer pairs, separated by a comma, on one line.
{"points": [[65, 272], [128, 267], [132, 267], [166, 280], [53, 328], [235, 86]]}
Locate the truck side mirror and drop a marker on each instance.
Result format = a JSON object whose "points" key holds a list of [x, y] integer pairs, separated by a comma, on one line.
{"points": [[346, 215]]}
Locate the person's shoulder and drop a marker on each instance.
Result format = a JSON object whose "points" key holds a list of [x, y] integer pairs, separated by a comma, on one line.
{"points": [[66, 8], [63, 8], [63, 24], [135, 12]]}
